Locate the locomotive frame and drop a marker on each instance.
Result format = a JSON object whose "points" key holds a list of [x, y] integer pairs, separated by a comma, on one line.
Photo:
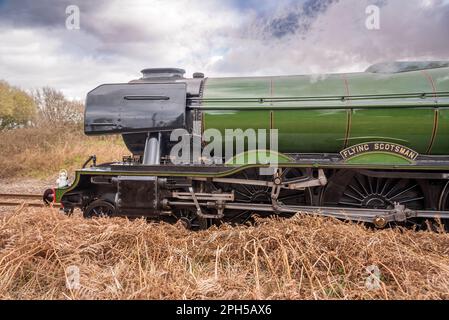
{"points": [[192, 190]]}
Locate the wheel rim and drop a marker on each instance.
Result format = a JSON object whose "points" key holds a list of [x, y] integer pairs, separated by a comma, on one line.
{"points": [[100, 208], [101, 211], [444, 203]]}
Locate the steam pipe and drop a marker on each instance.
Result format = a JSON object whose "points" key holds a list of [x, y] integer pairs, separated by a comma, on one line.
{"points": [[152, 152]]}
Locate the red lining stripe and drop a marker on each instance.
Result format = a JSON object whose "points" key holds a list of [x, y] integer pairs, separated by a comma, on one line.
{"points": [[432, 83], [345, 80], [271, 104], [436, 111], [348, 112]]}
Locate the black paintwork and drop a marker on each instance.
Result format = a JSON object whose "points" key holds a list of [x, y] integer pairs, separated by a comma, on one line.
{"points": [[136, 107], [137, 195]]}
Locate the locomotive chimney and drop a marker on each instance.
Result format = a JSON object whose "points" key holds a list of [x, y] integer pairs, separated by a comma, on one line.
{"points": [[162, 73]]}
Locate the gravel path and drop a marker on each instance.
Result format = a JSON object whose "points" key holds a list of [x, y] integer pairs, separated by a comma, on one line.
{"points": [[25, 185]]}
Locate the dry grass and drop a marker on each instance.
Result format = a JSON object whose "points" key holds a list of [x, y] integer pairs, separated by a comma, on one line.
{"points": [[300, 258], [42, 152]]}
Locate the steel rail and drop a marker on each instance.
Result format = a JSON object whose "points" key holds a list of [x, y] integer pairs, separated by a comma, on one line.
{"points": [[15, 197], [20, 196], [28, 204]]}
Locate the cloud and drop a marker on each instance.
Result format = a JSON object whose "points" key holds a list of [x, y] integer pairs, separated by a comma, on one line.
{"points": [[113, 44], [220, 38], [337, 39]]}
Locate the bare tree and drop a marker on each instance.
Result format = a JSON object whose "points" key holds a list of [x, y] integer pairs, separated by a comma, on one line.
{"points": [[54, 108]]}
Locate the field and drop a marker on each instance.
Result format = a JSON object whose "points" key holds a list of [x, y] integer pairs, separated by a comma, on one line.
{"points": [[42, 252], [42, 151], [301, 258]]}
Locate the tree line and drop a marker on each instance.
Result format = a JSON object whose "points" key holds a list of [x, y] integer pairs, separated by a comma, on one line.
{"points": [[40, 107]]}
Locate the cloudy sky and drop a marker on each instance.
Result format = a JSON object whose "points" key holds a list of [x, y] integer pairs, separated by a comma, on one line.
{"points": [[117, 39]]}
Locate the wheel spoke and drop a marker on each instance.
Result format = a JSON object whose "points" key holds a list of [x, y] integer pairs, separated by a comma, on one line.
{"points": [[246, 219], [353, 197], [377, 185], [357, 191], [242, 194], [404, 191], [252, 187], [247, 190], [298, 199], [362, 185], [410, 200], [351, 204], [384, 187], [214, 186], [239, 215], [397, 186], [285, 172], [370, 184]]}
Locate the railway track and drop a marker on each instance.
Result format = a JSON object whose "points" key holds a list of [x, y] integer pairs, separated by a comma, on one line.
{"points": [[16, 199]]}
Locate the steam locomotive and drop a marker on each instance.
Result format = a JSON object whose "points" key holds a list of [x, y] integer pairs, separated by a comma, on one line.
{"points": [[370, 147]]}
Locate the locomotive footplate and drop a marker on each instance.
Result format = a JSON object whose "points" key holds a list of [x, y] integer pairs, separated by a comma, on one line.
{"points": [[333, 161]]}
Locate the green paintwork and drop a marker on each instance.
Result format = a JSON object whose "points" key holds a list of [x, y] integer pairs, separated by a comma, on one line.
{"points": [[258, 157], [244, 120], [409, 127], [310, 131], [297, 128], [230, 119], [441, 81], [311, 114], [393, 126], [379, 158], [60, 192], [440, 145]]}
